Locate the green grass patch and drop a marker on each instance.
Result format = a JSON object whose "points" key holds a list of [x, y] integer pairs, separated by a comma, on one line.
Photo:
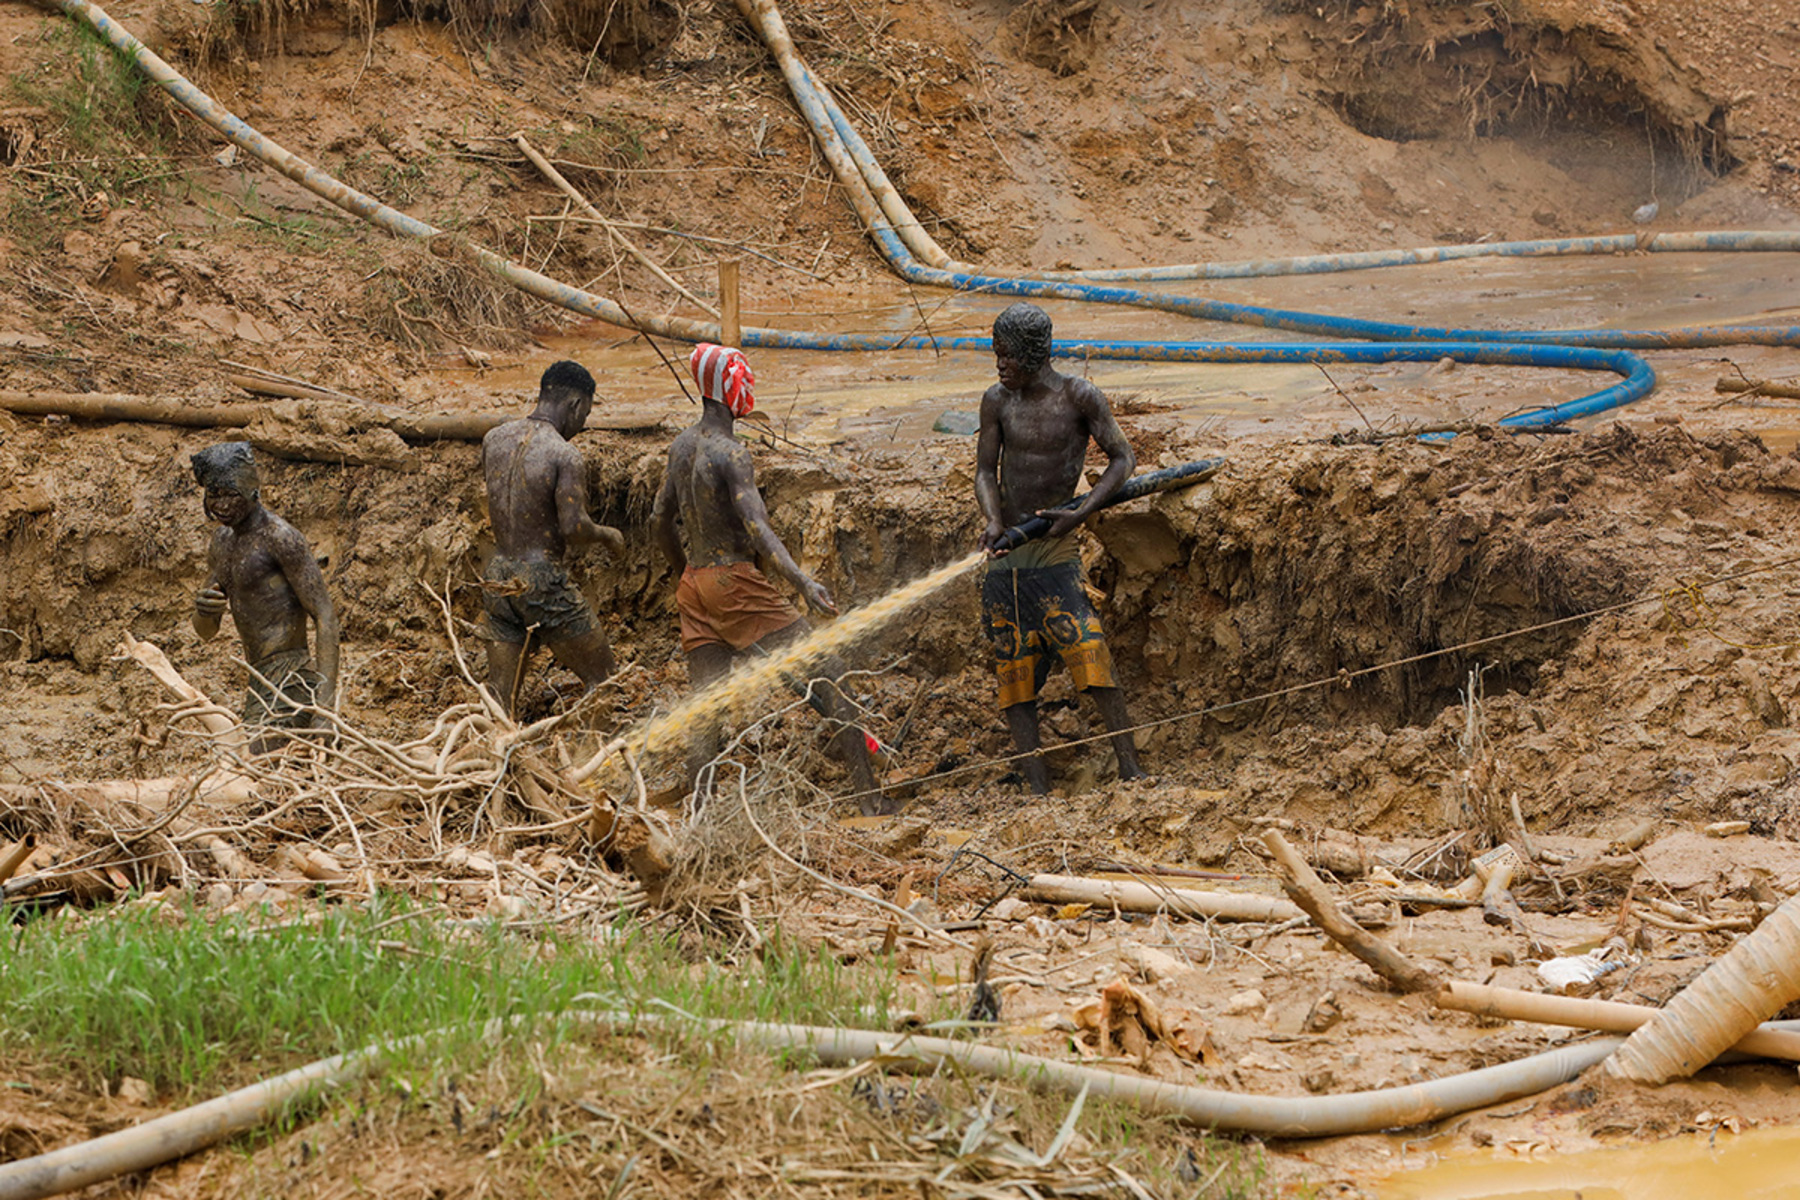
{"points": [[111, 132], [198, 1005]]}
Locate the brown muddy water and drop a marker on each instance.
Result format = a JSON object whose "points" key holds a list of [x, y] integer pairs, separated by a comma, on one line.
{"points": [[820, 398], [1761, 1164]]}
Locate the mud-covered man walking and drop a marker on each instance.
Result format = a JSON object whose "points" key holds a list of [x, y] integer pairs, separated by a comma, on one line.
{"points": [[537, 501], [261, 569], [1035, 427]]}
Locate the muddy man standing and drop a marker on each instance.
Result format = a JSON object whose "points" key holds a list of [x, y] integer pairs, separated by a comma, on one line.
{"points": [[1035, 428], [537, 501], [262, 570], [712, 526]]}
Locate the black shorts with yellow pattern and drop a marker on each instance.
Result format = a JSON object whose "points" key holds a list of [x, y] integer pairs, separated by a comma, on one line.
{"points": [[1035, 616]]}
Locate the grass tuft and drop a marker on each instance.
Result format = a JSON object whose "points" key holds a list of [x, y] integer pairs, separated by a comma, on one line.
{"points": [[192, 1005]]}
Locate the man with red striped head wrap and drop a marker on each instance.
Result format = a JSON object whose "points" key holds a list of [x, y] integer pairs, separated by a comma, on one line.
{"points": [[723, 374], [712, 526]]}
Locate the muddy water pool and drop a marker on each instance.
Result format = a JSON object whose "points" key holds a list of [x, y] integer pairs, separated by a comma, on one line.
{"points": [[1762, 1164], [897, 396]]}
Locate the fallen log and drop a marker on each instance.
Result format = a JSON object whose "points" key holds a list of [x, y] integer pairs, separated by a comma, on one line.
{"points": [[106, 406], [1606, 1016], [1307, 891], [1146, 898]]}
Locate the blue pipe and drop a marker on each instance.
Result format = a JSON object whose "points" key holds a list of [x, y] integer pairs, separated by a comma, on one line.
{"points": [[822, 112], [1637, 377]]}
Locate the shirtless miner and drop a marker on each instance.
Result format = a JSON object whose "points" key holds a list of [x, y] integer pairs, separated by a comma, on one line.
{"points": [[1035, 426], [261, 568], [537, 502], [711, 525]]}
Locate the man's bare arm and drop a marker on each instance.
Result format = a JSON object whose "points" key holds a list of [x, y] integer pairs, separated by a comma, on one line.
{"points": [[210, 602], [987, 469], [1090, 401], [740, 478], [303, 575], [578, 529], [663, 529]]}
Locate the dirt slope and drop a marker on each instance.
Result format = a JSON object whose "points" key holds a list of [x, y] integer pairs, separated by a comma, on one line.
{"points": [[141, 255]]}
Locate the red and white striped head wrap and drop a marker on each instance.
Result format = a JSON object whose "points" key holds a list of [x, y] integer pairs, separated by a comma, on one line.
{"points": [[724, 375]]}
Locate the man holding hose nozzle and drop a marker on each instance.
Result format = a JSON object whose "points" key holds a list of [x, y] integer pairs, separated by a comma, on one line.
{"points": [[1035, 427]]}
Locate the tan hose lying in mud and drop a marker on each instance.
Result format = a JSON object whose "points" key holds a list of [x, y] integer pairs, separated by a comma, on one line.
{"points": [[1608, 1016], [1148, 898], [1755, 980], [170, 1137]]}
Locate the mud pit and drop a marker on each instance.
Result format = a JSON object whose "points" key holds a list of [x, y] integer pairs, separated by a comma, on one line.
{"points": [[1252, 617]]}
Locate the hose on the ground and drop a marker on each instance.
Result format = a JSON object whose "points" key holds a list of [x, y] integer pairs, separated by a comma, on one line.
{"points": [[896, 232], [1637, 376], [919, 240], [166, 1138], [1754, 980]]}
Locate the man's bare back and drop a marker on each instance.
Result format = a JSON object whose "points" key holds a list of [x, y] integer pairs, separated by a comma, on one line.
{"points": [[537, 502], [712, 526], [706, 470]]}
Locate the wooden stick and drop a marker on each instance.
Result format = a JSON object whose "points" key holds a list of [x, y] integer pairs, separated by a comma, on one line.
{"points": [[152, 659], [268, 383], [1305, 889], [1759, 387], [1145, 898], [631, 247], [1609, 1016], [731, 327], [13, 859]]}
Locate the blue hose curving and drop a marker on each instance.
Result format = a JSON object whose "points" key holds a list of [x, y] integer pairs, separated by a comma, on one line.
{"points": [[824, 114], [1578, 350]]}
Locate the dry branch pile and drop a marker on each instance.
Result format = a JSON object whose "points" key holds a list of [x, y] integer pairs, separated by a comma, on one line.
{"points": [[460, 812]]}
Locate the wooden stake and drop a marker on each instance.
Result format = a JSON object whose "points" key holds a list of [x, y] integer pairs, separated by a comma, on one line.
{"points": [[1308, 891], [731, 328]]}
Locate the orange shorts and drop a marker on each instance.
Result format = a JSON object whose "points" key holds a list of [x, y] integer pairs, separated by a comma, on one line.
{"points": [[731, 605]]}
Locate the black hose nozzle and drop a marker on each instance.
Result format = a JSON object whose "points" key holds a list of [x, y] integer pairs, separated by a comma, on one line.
{"points": [[1148, 484]]}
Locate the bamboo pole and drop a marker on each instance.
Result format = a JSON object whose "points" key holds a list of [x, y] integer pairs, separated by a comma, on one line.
{"points": [[1607, 1016], [1145, 898], [568, 189], [1306, 889]]}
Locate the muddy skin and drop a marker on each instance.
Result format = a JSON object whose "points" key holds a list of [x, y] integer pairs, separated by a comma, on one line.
{"points": [[261, 568], [537, 501], [710, 514], [1035, 427]]}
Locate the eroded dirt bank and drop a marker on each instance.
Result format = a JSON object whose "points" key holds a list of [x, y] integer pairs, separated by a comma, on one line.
{"points": [[1293, 568], [1296, 564], [1253, 618]]}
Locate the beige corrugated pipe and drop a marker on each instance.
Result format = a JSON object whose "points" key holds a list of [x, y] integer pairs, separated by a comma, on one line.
{"points": [[1757, 979], [166, 1138]]}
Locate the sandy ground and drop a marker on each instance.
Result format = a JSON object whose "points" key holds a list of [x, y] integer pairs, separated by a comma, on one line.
{"points": [[1252, 617]]}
